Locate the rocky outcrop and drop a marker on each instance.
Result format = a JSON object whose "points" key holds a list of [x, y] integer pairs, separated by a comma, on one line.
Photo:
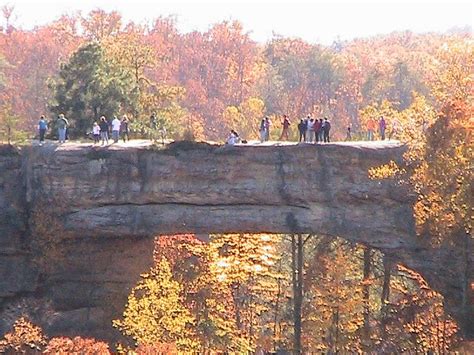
{"points": [[87, 216]]}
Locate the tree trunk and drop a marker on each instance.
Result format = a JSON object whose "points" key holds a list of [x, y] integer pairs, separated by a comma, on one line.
{"points": [[467, 290], [297, 277], [384, 297], [277, 310], [366, 297]]}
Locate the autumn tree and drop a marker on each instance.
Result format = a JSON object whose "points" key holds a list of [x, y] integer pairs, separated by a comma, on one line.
{"points": [[155, 313], [28, 338], [9, 125], [76, 345], [246, 264], [98, 25], [25, 337]]}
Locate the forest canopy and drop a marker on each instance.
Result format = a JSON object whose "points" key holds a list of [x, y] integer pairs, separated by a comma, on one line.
{"points": [[210, 82]]}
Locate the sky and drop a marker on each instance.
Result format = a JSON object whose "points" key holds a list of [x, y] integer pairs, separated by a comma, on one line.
{"points": [[314, 21]]}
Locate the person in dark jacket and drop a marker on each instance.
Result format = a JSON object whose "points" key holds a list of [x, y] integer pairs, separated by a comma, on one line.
{"points": [[286, 127], [317, 130], [302, 130], [321, 130], [326, 129], [125, 129], [104, 130], [42, 127]]}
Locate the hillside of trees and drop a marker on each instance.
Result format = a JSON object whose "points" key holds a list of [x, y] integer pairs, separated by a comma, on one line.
{"points": [[208, 83]]}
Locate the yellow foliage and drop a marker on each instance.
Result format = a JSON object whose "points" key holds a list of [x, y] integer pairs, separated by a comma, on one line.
{"points": [[155, 313], [385, 171]]}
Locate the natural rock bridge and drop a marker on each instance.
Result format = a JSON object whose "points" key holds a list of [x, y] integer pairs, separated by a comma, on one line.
{"points": [[77, 223]]}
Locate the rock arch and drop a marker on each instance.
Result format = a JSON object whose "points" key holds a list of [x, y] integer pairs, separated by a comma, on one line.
{"points": [[110, 202]]}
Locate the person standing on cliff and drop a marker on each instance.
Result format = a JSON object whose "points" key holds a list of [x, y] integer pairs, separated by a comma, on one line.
{"points": [[348, 134], [104, 130], [96, 132], [42, 127], [326, 129], [124, 129], [382, 127], [115, 129], [321, 130], [153, 126], [302, 130], [268, 123], [310, 130], [62, 124], [317, 130], [261, 130], [370, 129], [286, 126]]}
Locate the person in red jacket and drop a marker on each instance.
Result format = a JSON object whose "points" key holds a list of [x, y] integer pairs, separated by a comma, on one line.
{"points": [[286, 127]]}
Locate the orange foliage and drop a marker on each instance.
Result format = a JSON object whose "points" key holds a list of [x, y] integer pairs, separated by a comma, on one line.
{"points": [[24, 338], [76, 345]]}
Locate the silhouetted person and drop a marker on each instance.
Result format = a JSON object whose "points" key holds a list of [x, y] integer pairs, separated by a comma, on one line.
{"points": [[261, 130], [326, 129], [321, 130], [317, 130], [153, 126], [348, 134], [42, 127], [382, 127], [104, 130], [125, 129], [267, 125], [286, 127], [302, 130]]}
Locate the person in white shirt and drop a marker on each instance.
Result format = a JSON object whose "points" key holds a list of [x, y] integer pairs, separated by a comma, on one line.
{"points": [[233, 138], [115, 129], [310, 130], [96, 132]]}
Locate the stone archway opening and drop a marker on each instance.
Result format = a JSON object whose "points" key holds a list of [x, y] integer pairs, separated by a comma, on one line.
{"points": [[351, 293]]}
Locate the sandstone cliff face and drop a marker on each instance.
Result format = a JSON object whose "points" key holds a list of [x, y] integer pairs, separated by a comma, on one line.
{"points": [[104, 206], [14, 252]]}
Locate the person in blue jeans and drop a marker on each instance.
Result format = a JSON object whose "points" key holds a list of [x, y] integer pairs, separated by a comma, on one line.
{"points": [[104, 130], [62, 124], [42, 127]]}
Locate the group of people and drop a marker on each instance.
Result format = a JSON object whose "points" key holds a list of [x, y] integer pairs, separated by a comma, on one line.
{"points": [[312, 130], [382, 127], [61, 123], [100, 130], [119, 128], [264, 129]]}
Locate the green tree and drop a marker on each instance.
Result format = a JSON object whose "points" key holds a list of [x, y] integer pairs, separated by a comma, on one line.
{"points": [[9, 123], [88, 87]]}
